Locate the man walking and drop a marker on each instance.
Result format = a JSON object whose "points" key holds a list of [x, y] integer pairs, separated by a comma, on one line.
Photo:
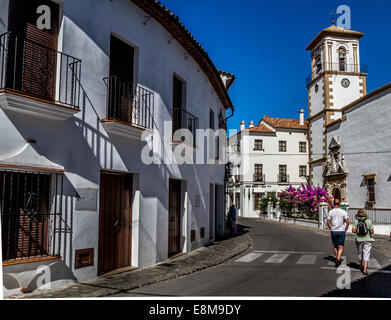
{"points": [[338, 223]]}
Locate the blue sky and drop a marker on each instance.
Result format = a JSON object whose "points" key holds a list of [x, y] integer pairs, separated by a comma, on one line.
{"points": [[263, 43]]}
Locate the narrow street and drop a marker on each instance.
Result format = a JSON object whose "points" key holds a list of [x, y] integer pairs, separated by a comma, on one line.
{"points": [[285, 260]]}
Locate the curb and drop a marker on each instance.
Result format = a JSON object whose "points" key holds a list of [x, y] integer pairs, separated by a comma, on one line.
{"points": [[195, 270], [245, 242]]}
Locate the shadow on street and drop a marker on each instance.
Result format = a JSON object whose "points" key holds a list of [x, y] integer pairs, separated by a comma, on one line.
{"points": [[376, 285]]}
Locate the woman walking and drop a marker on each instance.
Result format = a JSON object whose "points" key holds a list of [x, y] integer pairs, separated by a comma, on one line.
{"points": [[363, 228]]}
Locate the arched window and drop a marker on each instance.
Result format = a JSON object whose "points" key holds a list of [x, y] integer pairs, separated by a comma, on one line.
{"points": [[342, 59]]}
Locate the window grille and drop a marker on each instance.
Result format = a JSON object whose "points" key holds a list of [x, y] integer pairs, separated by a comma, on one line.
{"points": [[31, 212]]}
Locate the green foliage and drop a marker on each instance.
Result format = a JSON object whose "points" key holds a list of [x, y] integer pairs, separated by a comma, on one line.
{"points": [[286, 207], [263, 205]]}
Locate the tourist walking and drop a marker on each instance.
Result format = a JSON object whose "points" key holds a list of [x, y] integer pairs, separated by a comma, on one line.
{"points": [[338, 223], [231, 217], [363, 228]]}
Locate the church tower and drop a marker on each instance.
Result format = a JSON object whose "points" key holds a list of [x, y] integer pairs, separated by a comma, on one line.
{"points": [[336, 80]]}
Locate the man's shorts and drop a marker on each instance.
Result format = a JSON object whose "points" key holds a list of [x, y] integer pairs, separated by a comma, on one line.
{"points": [[338, 238]]}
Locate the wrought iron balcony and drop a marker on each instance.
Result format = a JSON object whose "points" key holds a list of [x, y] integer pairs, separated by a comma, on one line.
{"points": [[181, 119], [259, 178], [34, 70], [129, 103], [339, 67], [283, 178]]}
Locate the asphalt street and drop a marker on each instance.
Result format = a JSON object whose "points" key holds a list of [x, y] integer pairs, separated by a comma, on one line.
{"points": [[285, 260]]}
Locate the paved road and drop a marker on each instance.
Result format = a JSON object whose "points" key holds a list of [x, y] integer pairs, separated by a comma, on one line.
{"points": [[285, 260]]}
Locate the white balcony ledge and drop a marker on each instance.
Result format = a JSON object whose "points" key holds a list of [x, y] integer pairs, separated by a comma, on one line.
{"points": [[29, 158], [123, 129], [24, 104]]}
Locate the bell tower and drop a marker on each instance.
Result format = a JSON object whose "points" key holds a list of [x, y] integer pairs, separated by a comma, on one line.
{"points": [[337, 79]]}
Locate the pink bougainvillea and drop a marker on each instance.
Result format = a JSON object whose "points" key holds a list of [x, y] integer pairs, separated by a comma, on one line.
{"points": [[306, 198]]}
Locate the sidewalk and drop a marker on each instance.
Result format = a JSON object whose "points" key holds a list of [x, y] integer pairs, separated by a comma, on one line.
{"points": [[203, 258]]}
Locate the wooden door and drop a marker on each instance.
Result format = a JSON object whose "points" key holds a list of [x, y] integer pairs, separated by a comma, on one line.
{"points": [[174, 218], [115, 221], [216, 211], [211, 212]]}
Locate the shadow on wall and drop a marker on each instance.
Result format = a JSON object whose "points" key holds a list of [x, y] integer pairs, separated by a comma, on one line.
{"points": [[376, 285]]}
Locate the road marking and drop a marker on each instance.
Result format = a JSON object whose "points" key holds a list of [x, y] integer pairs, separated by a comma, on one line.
{"points": [[355, 270], [250, 257], [307, 259], [277, 258], [291, 252], [374, 264]]}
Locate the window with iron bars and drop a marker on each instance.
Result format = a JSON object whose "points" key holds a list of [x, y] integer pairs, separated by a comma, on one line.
{"points": [[31, 211]]}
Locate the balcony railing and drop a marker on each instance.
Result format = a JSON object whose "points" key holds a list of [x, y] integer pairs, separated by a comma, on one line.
{"points": [[181, 119], [259, 178], [129, 103], [283, 178], [39, 71], [343, 67]]}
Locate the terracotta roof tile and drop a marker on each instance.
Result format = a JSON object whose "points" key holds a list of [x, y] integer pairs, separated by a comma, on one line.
{"points": [[333, 30], [261, 128], [285, 123]]}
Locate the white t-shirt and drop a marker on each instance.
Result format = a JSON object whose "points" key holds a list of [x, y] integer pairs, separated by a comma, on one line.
{"points": [[337, 217]]}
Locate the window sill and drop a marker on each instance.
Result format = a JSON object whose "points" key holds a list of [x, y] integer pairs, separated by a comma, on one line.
{"points": [[370, 204], [23, 261]]}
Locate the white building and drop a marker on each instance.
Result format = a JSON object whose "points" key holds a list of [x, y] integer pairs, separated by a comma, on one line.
{"points": [[75, 99], [266, 159], [349, 131]]}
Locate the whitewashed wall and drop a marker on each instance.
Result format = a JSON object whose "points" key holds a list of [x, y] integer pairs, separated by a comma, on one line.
{"points": [[365, 138], [270, 159], [83, 147]]}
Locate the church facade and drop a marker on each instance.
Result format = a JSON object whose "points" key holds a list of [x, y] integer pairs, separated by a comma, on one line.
{"points": [[349, 147]]}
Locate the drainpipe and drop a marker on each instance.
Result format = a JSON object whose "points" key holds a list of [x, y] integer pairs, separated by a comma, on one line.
{"points": [[226, 195]]}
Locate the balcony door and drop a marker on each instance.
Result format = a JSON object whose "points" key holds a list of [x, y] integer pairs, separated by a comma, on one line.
{"points": [[121, 88], [32, 64], [177, 104]]}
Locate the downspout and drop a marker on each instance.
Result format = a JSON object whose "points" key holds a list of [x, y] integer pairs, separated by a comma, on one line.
{"points": [[226, 177]]}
